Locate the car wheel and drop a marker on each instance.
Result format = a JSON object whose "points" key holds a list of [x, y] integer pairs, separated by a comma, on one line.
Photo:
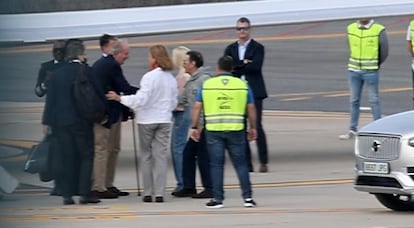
{"points": [[396, 202]]}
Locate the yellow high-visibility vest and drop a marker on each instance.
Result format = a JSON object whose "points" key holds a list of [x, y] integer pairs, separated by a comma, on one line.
{"points": [[224, 103], [364, 47]]}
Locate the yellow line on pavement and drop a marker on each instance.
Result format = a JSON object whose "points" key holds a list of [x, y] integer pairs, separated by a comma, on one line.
{"points": [[76, 212], [18, 143], [296, 99], [137, 214], [46, 48]]}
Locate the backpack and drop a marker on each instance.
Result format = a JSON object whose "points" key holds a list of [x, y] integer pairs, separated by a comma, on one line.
{"points": [[87, 100]]}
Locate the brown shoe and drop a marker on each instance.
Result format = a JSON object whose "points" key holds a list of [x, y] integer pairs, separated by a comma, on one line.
{"points": [[263, 168], [105, 194]]}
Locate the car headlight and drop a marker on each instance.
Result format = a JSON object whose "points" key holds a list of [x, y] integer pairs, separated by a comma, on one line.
{"points": [[411, 141]]}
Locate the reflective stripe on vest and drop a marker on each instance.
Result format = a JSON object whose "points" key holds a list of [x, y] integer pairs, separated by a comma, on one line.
{"points": [[364, 47], [412, 34], [224, 103]]}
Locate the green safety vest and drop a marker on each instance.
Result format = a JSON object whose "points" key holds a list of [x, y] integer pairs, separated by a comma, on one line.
{"points": [[412, 34], [224, 103], [364, 47]]}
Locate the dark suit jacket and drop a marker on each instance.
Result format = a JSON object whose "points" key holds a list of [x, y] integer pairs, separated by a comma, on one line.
{"points": [[45, 74], [253, 70], [108, 73], [60, 110]]}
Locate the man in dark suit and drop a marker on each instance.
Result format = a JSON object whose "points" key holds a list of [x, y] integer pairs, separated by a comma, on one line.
{"points": [[73, 133], [44, 75], [248, 57], [107, 71], [48, 67]]}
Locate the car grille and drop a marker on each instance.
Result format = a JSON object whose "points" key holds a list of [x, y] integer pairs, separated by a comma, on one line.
{"points": [[378, 181], [379, 146]]}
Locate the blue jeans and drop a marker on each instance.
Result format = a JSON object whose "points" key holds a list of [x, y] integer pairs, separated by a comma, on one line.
{"points": [[356, 81], [179, 136], [235, 143]]}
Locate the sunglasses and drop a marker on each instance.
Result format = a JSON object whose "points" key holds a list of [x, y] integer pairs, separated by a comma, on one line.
{"points": [[242, 28]]}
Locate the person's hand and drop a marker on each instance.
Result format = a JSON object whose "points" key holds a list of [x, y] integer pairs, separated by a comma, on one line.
{"points": [[111, 95], [195, 134], [251, 134]]}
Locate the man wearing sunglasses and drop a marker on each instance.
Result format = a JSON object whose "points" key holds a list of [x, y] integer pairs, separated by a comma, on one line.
{"points": [[248, 57], [48, 67]]}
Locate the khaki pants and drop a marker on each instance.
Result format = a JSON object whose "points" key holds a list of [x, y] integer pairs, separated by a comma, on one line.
{"points": [[107, 147]]}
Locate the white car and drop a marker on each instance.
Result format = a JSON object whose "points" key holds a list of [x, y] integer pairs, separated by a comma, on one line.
{"points": [[384, 152]]}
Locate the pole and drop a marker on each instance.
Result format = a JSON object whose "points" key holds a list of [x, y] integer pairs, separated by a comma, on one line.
{"points": [[136, 154]]}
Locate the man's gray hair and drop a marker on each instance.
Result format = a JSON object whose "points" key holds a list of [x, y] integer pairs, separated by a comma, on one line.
{"points": [[117, 46]]}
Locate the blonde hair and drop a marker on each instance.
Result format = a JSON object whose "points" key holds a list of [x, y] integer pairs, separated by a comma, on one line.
{"points": [[160, 54], [178, 54]]}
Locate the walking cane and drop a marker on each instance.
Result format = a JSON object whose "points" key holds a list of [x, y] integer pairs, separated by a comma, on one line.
{"points": [[412, 71], [136, 155]]}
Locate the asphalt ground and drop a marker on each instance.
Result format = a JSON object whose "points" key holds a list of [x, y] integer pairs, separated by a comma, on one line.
{"points": [[311, 171]]}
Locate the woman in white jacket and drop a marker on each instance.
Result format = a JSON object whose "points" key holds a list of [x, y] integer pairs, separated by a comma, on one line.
{"points": [[153, 104]]}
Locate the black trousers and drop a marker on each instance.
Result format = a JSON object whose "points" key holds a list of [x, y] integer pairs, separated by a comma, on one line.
{"points": [[196, 152], [261, 141], [74, 159]]}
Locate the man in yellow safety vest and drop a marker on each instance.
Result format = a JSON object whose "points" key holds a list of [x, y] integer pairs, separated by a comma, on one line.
{"points": [[224, 100], [368, 47], [410, 45]]}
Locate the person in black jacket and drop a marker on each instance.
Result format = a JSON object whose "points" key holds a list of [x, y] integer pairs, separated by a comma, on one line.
{"points": [[108, 73], [48, 67], [73, 158], [248, 56]]}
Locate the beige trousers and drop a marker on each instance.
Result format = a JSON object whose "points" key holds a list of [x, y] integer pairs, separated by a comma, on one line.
{"points": [[107, 147]]}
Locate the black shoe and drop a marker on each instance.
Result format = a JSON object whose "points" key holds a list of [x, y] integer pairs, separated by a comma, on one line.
{"points": [[105, 194], [185, 192], [117, 191], [147, 199], [214, 204], [249, 203], [203, 195], [159, 199], [68, 201], [251, 169], [89, 199]]}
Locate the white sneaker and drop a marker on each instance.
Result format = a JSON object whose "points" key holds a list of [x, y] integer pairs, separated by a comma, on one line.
{"points": [[350, 135]]}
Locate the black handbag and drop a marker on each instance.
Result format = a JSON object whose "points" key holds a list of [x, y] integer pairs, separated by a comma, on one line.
{"points": [[38, 157]]}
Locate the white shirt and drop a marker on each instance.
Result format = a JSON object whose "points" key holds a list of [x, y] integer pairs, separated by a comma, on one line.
{"points": [[156, 98], [242, 49], [409, 33], [367, 26]]}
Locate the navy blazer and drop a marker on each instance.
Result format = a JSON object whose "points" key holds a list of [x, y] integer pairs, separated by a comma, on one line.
{"points": [[60, 110], [109, 77], [252, 71], [44, 75]]}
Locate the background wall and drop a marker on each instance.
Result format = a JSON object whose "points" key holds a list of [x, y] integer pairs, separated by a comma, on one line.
{"points": [[38, 6]]}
